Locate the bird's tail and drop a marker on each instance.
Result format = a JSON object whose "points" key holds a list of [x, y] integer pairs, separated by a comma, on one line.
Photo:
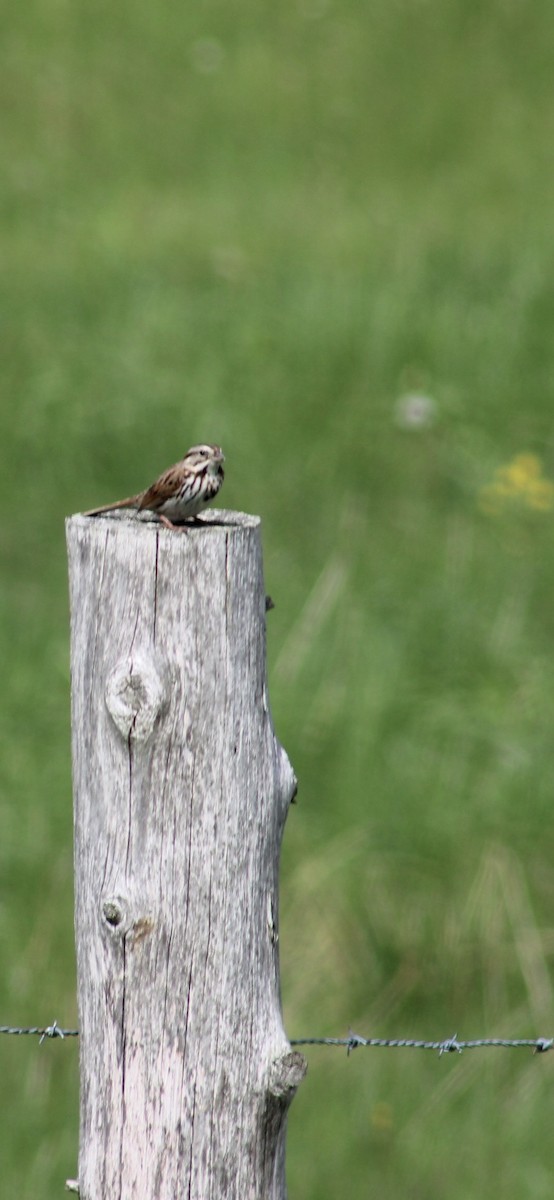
{"points": [[130, 502]]}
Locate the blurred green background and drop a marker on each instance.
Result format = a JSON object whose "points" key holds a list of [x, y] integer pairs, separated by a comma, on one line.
{"points": [[320, 233]]}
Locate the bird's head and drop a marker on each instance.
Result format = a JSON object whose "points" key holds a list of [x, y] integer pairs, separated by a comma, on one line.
{"points": [[206, 456]]}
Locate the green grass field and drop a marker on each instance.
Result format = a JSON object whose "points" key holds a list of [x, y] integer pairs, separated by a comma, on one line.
{"points": [[272, 227]]}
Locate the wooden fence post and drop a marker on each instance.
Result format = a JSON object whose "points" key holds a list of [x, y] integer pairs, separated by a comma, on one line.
{"points": [[181, 791]]}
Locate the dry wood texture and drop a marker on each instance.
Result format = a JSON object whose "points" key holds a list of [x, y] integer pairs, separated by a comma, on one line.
{"points": [[181, 792]]}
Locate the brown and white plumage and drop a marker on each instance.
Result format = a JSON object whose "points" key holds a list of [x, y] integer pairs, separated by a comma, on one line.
{"points": [[181, 491]]}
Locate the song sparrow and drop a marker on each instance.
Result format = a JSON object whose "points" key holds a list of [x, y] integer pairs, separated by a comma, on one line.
{"points": [[181, 491]]}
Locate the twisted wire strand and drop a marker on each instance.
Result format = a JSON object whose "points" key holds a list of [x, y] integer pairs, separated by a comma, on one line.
{"points": [[50, 1031], [451, 1045]]}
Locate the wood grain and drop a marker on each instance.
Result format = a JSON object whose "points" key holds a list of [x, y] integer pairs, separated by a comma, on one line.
{"points": [[181, 792]]}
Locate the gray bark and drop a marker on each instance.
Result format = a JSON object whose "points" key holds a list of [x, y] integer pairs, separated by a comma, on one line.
{"points": [[181, 791]]}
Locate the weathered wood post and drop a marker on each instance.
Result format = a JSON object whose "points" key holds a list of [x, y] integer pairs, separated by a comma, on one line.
{"points": [[181, 793]]}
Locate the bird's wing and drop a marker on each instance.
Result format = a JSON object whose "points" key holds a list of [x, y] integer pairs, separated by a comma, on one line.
{"points": [[164, 487]]}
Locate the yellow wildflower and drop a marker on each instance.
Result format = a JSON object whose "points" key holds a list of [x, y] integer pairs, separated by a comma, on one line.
{"points": [[520, 481]]}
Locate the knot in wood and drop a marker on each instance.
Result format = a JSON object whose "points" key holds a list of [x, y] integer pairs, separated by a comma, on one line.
{"points": [[113, 912], [117, 916], [123, 921], [135, 695], [286, 1074], [289, 782]]}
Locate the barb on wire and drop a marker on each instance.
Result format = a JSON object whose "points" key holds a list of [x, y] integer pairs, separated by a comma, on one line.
{"points": [[449, 1045], [51, 1031]]}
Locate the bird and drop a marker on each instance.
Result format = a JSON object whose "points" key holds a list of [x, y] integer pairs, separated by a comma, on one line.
{"points": [[181, 491]]}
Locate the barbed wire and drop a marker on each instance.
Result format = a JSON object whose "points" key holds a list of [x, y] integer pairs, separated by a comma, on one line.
{"points": [[451, 1045], [50, 1031]]}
